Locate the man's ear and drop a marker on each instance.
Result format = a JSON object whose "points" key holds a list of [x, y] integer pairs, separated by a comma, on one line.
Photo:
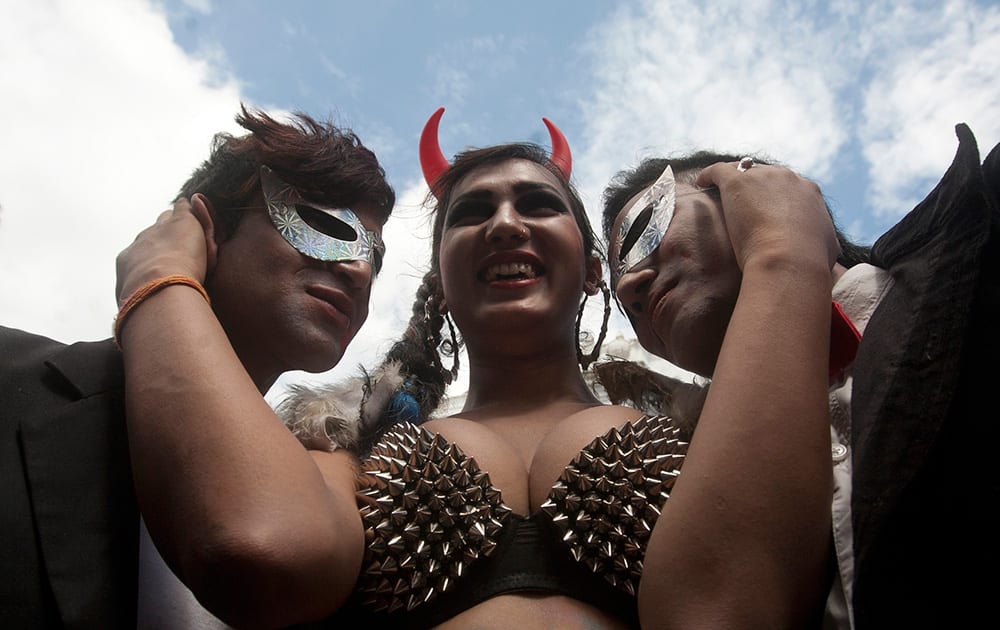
{"points": [[201, 208], [594, 272]]}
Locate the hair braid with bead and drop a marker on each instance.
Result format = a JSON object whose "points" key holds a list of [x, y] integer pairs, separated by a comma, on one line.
{"points": [[416, 352], [419, 350]]}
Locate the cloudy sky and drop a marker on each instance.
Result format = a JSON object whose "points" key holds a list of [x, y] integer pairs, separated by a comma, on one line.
{"points": [[106, 106]]}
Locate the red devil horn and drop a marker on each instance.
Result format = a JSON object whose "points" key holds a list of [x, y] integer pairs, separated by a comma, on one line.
{"points": [[561, 155], [432, 161]]}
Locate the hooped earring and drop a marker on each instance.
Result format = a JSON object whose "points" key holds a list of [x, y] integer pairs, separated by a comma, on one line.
{"points": [[586, 359], [434, 341], [453, 348]]}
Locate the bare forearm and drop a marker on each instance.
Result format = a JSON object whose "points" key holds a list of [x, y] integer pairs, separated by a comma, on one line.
{"points": [[235, 504], [743, 539]]}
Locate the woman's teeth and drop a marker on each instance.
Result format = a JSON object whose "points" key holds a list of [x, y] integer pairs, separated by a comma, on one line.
{"points": [[508, 271]]}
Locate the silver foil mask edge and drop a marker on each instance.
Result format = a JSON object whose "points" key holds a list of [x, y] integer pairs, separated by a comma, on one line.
{"points": [[281, 199], [662, 196]]}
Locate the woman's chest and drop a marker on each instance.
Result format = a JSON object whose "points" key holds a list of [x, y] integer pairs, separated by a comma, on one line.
{"points": [[432, 512], [524, 458]]}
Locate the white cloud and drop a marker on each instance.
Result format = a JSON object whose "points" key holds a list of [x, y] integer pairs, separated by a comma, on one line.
{"points": [[200, 6], [451, 84], [934, 68], [109, 117], [804, 83], [733, 76], [105, 117], [335, 71], [742, 75], [461, 66], [737, 77]]}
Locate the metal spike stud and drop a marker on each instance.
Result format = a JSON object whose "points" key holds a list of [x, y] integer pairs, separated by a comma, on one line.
{"points": [[607, 500], [428, 511]]}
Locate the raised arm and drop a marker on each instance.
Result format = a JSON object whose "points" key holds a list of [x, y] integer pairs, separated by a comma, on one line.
{"points": [[264, 532], [744, 539]]}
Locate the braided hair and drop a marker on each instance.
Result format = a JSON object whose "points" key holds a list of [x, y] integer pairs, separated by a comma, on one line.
{"points": [[419, 351]]}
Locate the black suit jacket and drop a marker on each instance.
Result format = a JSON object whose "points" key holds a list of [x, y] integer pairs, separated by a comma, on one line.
{"points": [[925, 420], [69, 524]]}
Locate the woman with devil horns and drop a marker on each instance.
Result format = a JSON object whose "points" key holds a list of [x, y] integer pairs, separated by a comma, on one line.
{"points": [[536, 505]]}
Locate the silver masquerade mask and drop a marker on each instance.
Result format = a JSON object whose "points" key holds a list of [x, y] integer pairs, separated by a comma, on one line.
{"points": [[320, 232], [644, 225]]}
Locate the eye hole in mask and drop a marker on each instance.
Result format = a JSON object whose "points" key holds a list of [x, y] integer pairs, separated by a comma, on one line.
{"points": [[324, 233], [641, 221], [325, 223], [643, 226]]}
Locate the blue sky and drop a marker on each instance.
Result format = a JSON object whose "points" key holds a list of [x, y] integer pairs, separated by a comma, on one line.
{"points": [[107, 106]]}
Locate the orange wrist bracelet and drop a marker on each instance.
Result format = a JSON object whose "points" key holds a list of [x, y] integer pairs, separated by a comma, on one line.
{"points": [[146, 290]]}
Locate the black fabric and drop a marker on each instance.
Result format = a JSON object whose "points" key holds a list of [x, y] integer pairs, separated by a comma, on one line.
{"points": [[537, 560], [924, 423], [69, 527], [529, 558]]}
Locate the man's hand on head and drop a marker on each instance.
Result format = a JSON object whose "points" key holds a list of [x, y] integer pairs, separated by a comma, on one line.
{"points": [[773, 211], [181, 242]]}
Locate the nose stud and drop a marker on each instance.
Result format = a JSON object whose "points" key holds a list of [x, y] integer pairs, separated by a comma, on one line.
{"points": [[517, 232]]}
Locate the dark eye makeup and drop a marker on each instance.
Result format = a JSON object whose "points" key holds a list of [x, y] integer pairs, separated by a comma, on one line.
{"points": [[468, 211], [541, 201], [474, 211]]}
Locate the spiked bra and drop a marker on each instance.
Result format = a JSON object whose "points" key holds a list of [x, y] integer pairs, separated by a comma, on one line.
{"points": [[430, 513]]}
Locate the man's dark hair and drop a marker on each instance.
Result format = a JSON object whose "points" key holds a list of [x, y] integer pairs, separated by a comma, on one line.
{"points": [[628, 183], [324, 163]]}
